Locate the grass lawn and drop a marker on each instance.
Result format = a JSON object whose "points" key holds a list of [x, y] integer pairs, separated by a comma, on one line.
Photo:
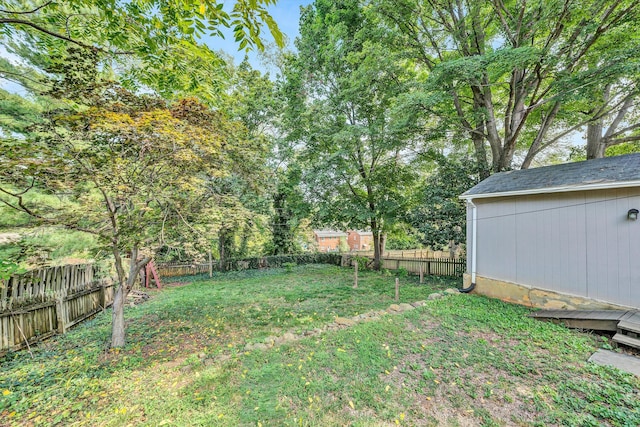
{"points": [[460, 360]]}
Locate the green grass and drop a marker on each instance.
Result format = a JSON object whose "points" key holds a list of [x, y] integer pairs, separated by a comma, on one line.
{"points": [[459, 360]]}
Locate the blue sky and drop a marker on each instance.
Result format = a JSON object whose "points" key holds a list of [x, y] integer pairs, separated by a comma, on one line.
{"points": [[286, 13]]}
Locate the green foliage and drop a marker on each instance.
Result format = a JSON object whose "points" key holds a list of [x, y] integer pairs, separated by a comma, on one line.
{"points": [[515, 78], [129, 169], [363, 262], [621, 149], [49, 246], [162, 36], [290, 211], [341, 91], [404, 236], [439, 216], [288, 266], [276, 261], [8, 267]]}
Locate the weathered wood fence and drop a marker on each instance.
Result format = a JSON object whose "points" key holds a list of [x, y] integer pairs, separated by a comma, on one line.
{"points": [[183, 269], [412, 253], [430, 266], [35, 305], [253, 263]]}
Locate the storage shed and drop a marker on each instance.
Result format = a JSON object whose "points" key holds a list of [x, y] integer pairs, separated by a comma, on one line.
{"points": [[563, 236]]}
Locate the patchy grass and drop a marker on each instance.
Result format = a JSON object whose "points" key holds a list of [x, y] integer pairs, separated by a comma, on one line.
{"points": [[460, 360]]}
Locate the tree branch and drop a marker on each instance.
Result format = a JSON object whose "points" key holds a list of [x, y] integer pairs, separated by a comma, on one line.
{"points": [[13, 21], [27, 12], [611, 142]]}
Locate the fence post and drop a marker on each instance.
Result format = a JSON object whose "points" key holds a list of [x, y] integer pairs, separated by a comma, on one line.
{"points": [[210, 264], [397, 289], [355, 280], [61, 315], [103, 297], [421, 273]]}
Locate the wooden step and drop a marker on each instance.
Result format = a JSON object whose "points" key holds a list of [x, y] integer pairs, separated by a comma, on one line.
{"points": [[629, 326], [626, 340]]}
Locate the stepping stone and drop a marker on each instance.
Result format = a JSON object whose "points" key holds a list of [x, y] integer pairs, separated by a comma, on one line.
{"points": [[343, 321], [406, 307], [624, 362], [434, 295], [393, 308], [288, 336], [452, 291]]}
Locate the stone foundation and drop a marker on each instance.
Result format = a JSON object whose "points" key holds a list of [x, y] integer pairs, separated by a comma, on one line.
{"points": [[533, 297]]}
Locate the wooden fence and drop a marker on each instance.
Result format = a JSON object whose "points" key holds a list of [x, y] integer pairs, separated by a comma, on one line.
{"points": [[183, 269], [35, 305], [430, 266], [411, 254], [253, 263]]}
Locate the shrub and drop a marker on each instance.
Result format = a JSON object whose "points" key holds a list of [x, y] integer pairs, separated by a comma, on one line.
{"points": [[275, 261], [288, 266]]}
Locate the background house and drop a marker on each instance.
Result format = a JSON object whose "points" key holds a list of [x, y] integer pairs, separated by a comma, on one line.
{"points": [[563, 236], [360, 240], [328, 240]]}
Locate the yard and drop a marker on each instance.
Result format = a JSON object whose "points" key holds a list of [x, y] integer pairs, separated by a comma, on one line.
{"points": [[201, 353]]}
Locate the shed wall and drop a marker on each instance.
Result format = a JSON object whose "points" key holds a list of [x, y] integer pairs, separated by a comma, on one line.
{"points": [[578, 243]]}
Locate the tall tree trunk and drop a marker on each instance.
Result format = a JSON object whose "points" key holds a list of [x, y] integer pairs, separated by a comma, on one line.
{"points": [[118, 338], [383, 244], [376, 244], [117, 318], [596, 145], [597, 142], [481, 153], [376, 250]]}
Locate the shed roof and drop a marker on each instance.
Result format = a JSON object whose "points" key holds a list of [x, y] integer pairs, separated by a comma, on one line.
{"points": [[330, 233], [609, 172]]}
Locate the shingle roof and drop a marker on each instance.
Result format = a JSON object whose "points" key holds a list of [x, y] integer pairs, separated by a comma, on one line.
{"points": [[330, 233], [590, 174]]}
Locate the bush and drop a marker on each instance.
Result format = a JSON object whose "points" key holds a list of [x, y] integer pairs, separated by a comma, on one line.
{"points": [[288, 266], [363, 262], [276, 261], [402, 272]]}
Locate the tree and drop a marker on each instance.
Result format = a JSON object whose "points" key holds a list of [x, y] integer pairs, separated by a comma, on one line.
{"points": [[290, 210], [124, 167], [150, 42], [439, 216], [342, 90], [504, 72]]}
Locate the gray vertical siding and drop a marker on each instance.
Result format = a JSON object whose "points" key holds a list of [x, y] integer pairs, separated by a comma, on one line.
{"points": [[497, 254], [469, 248], [579, 243]]}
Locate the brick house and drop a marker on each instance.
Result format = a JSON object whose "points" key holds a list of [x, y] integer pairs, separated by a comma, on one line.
{"points": [[360, 240], [328, 240]]}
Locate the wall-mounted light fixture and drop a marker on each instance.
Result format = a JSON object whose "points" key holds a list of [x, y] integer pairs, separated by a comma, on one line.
{"points": [[632, 215]]}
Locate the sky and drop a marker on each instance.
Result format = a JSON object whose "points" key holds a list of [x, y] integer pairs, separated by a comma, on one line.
{"points": [[286, 13]]}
